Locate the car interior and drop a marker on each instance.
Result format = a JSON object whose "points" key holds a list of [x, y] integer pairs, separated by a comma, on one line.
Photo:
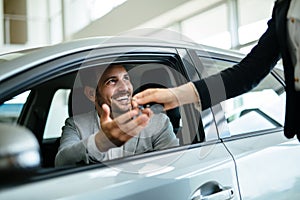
{"points": [[36, 111]]}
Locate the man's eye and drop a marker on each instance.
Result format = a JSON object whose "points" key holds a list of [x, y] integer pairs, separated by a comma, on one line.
{"points": [[126, 78], [110, 82]]}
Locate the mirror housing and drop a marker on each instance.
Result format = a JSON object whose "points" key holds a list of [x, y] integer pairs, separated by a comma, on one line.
{"points": [[19, 153]]}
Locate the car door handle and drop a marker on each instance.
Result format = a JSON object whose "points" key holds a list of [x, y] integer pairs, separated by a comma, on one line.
{"points": [[212, 191]]}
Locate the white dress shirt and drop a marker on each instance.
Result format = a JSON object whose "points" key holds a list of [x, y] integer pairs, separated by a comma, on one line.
{"points": [[293, 26]]}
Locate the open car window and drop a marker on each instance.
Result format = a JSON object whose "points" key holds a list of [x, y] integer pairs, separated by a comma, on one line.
{"points": [[254, 110], [57, 98], [11, 109]]}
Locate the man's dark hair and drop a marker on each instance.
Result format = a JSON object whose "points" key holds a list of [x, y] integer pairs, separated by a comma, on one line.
{"points": [[90, 76]]}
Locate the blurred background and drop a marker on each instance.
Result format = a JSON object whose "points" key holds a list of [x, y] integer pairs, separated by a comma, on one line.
{"points": [[228, 24]]}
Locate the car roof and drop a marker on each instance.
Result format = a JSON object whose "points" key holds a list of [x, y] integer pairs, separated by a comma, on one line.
{"points": [[16, 62]]}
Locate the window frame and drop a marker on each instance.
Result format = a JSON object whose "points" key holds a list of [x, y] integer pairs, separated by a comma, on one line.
{"points": [[219, 113], [44, 72]]}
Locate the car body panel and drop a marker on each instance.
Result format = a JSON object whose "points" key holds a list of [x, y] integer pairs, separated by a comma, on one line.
{"points": [[266, 166], [168, 176]]}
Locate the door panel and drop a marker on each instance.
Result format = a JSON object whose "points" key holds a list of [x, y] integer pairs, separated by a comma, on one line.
{"points": [[174, 175], [267, 166]]}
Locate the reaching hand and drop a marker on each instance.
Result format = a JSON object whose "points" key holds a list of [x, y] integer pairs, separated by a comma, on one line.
{"points": [[171, 97], [166, 97], [117, 131]]}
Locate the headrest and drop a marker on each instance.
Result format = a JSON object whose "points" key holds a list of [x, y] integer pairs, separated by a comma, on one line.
{"points": [[79, 103]]}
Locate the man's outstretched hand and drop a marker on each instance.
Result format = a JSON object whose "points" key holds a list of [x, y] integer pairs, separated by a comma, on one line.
{"points": [[115, 132]]}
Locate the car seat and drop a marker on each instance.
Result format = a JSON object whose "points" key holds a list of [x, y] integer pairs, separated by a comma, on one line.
{"points": [[159, 78]]}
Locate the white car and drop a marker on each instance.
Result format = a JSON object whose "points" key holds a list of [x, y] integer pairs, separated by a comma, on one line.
{"points": [[234, 150]]}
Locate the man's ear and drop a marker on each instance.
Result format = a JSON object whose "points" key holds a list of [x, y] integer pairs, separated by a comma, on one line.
{"points": [[90, 93]]}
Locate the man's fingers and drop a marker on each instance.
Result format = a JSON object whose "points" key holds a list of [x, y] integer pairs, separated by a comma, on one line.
{"points": [[127, 116], [105, 115], [133, 132], [121, 133], [140, 121], [148, 112], [134, 104]]}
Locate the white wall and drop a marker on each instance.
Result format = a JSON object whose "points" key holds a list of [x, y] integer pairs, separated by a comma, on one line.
{"points": [[54, 21], [38, 27], [1, 24], [129, 15], [76, 16]]}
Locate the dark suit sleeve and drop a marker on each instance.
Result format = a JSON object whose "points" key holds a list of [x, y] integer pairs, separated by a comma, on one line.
{"points": [[245, 75]]}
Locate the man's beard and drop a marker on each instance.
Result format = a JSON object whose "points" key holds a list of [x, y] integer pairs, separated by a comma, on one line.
{"points": [[116, 106]]}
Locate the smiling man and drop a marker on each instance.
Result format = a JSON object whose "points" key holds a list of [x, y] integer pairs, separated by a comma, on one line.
{"points": [[116, 128]]}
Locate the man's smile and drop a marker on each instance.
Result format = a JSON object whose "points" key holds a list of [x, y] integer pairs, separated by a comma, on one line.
{"points": [[123, 99]]}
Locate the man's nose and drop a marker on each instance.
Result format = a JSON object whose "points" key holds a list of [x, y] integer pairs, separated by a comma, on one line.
{"points": [[123, 85]]}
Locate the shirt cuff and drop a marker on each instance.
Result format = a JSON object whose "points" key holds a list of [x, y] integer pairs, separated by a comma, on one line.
{"points": [[92, 149], [198, 105], [187, 94]]}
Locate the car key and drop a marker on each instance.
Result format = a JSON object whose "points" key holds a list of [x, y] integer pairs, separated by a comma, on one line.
{"points": [[155, 108]]}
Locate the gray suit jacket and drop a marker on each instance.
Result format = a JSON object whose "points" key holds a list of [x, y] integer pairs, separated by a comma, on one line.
{"points": [[77, 143]]}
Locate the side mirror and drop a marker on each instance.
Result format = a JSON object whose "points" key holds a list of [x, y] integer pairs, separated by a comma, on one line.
{"points": [[19, 153]]}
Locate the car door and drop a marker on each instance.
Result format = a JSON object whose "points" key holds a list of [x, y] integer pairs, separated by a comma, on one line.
{"points": [[267, 165], [200, 167], [251, 126]]}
